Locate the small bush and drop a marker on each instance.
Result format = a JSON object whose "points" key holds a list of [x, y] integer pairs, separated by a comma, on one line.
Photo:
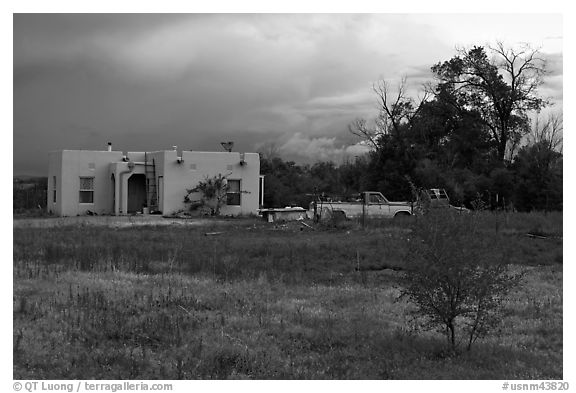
{"points": [[456, 276]]}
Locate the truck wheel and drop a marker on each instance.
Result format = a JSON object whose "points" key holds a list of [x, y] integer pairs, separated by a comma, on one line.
{"points": [[339, 215]]}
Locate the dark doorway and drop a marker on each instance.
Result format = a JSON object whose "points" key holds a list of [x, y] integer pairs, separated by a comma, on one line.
{"points": [[136, 193]]}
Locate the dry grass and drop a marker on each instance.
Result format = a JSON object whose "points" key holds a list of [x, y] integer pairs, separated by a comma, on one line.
{"points": [[258, 301]]}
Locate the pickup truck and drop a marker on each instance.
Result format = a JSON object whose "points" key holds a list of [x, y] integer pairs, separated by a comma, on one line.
{"points": [[368, 203], [436, 198]]}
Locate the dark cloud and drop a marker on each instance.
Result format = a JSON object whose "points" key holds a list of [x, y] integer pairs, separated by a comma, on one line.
{"points": [[419, 73], [149, 81], [49, 36]]}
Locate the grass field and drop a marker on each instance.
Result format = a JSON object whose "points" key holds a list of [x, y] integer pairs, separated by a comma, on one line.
{"points": [[259, 300]]}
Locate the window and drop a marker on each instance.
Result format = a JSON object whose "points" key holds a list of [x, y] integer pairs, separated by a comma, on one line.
{"points": [[192, 167], [53, 189], [376, 199], [233, 193], [86, 190]]}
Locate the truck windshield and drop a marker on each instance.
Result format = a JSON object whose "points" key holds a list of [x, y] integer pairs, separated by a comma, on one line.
{"points": [[375, 198]]}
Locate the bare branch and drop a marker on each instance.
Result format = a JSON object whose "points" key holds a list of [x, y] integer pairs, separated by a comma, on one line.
{"points": [[548, 132], [359, 128], [402, 109]]}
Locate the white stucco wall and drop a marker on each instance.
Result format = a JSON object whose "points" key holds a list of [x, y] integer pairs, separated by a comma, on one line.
{"points": [[196, 166], [68, 166], [54, 170]]}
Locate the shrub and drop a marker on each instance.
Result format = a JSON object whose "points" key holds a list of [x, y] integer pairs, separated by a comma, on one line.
{"points": [[456, 276], [213, 194]]}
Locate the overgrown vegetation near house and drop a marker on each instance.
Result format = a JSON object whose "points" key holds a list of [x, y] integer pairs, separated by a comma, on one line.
{"points": [[259, 300]]}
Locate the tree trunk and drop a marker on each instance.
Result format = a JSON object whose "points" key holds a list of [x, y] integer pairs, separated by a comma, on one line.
{"points": [[471, 339], [502, 148], [452, 334]]}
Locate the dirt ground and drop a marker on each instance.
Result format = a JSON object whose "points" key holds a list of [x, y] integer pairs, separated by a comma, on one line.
{"points": [[113, 221]]}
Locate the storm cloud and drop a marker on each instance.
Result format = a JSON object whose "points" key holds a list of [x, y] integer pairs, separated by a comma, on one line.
{"points": [[148, 82]]}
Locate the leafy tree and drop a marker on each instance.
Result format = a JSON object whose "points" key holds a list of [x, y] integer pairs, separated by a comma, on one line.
{"points": [[456, 139], [463, 133], [456, 277], [289, 184], [29, 194], [389, 166], [502, 179], [501, 90], [354, 175], [325, 177], [538, 177], [285, 183], [427, 141]]}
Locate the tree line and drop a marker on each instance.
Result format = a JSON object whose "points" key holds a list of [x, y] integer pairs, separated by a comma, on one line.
{"points": [[29, 193], [476, 131]]}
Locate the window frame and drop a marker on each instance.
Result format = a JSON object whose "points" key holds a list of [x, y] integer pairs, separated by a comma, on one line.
{"points": [[234, 194], [86, 191]]}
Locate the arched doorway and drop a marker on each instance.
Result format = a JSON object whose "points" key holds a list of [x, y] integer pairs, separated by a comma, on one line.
{"points": [[136, 193]]}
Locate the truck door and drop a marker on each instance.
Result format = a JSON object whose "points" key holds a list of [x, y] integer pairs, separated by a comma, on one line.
{"points": [[377, 206]]}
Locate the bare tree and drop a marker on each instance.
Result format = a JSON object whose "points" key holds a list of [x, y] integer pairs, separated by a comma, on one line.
{"points": [[548, 132], [523, 69], [395, 110]]}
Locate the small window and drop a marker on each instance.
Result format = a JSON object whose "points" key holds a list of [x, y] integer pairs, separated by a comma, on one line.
{"points": [[86, 190], [192, 167], [54, 189], [233, 193], [91, 166], [229, 167]]}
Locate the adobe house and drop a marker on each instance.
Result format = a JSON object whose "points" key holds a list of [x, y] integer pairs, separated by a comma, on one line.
{"points": [[111, 182]]}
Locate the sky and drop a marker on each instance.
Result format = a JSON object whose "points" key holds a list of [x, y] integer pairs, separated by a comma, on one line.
{"points": [[291, 83]]}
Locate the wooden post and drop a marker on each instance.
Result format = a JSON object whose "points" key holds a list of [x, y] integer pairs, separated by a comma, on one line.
{"points": [[364, 212]]}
